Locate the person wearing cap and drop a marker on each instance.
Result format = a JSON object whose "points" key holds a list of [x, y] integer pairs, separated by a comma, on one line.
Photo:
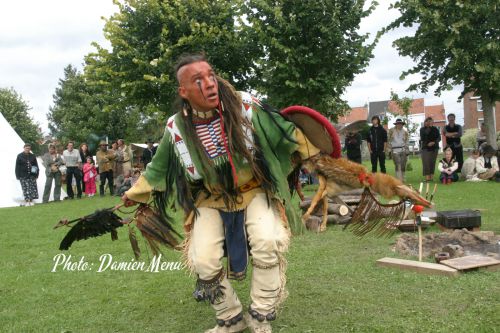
{"points": [[105, 160], [148, 153], [487, 164], [429, 143], [377, 144], [225, 158], [452, 133], [27, 173], [397, 144]]}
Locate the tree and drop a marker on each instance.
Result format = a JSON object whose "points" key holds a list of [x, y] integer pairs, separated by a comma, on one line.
{"points": [[455, 42], [311, 50], [404, 105], [79, 113], [15, 110], [148, 36]]}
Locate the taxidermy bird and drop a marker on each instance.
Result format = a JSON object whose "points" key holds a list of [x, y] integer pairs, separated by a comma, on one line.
{"points": [[154, 228], [337, 175]]}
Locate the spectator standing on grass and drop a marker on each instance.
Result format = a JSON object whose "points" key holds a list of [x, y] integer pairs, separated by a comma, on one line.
{"points": [[377, 144], [73, 163], [487, 164], [84, 153], [452, 133], [429, 142], [52, 161], [352, 146], [89, 176], [448, 167], [126, 152], [398, 146], [105, 160], [117, 165], [27, 173]]}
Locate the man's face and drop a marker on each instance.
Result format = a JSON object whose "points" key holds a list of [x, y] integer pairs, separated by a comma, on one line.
{"points": [[451, 120], [70, 146], [27, 149], [52, 150], [399, 126], [103, 147], [198, 85]]}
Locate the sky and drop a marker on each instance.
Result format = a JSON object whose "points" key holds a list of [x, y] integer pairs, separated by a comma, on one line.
{"points": [[39, 38]]}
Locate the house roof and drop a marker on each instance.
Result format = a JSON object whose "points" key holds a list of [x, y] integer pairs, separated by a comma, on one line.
{"points": [[417, 106], [355, 114], [436, 112]]}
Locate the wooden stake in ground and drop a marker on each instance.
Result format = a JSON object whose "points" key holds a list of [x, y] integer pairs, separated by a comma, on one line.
{"points": [[433, 192], [418, 221]]}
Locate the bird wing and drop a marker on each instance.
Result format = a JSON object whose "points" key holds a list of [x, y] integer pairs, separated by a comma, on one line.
{"points": [[93, 225]]}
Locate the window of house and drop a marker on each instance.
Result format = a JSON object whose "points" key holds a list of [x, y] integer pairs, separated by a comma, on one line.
{"points": [[479, 105], [480, 121]]}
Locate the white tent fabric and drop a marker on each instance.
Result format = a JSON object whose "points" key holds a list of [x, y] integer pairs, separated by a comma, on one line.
{"points": [[11, 145]]}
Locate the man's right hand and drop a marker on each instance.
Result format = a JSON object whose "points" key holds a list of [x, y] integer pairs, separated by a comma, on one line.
{"points": [[127, 202]]}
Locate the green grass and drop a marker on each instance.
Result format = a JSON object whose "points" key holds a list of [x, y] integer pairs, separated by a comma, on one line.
{"points": [[333, 282]]}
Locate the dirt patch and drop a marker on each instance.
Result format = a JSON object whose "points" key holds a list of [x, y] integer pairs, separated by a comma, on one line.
{"points": [[458, 243]]}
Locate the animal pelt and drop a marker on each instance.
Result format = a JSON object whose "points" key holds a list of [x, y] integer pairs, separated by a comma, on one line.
{"points": [[337, 175], [343, 175]]}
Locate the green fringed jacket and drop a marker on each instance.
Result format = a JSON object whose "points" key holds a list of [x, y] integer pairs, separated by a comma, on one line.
{"points": [[176, 156]]}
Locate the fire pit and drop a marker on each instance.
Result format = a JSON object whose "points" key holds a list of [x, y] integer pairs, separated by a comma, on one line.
{"points": [[458, 243]]}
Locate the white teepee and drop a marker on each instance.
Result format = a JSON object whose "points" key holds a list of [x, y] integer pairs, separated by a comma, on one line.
{"points": [[11, 145]]}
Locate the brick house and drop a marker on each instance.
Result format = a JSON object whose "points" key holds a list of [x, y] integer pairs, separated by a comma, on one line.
{"points": [[386, 110], [355, 114], [473, 112]]}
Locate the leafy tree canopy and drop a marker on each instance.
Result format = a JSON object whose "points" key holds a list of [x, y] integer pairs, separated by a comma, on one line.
{"points": [[78, 113], [311, 50], [147, 36], [455, 42], [15, 110]]}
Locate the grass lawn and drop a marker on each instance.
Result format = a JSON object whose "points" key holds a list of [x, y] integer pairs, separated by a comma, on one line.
{"points": [[333, 282]]}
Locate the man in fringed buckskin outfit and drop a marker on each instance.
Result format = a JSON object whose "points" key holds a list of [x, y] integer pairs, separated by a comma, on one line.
{"points": [[225, 158]]}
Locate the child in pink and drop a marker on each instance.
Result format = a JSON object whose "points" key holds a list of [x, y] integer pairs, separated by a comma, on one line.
{"points": [[89, 175]]}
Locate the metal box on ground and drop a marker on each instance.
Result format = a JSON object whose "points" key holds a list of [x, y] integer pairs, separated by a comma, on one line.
{"points": [[458, 219]]}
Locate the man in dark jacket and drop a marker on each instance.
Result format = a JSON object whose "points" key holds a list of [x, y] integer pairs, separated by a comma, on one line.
{"points": [[27, 173], [148, 153], [352, 146], [377, 144], [452, 133]]}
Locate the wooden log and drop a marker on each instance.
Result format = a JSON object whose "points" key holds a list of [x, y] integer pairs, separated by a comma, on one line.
{"points": [[313, 223], [355, 192], [337, 219], [305, 204], [338, 209], [350, 199], [333, 208]]}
